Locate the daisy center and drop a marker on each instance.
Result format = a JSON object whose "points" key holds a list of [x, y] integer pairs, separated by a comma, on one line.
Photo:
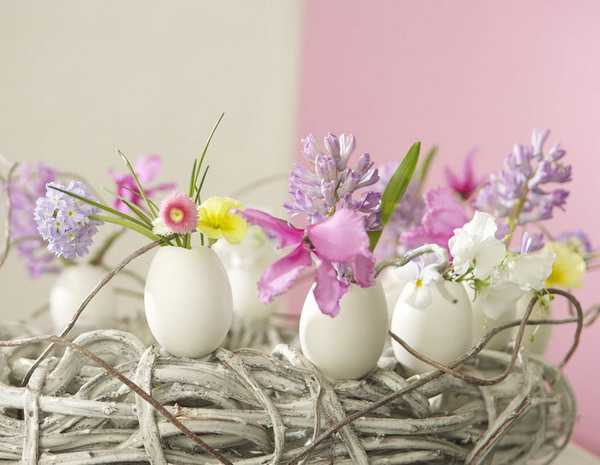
{"points": [[176, 215]]}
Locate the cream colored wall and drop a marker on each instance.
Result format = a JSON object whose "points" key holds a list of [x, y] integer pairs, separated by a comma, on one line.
{"points": [[80, 79]]}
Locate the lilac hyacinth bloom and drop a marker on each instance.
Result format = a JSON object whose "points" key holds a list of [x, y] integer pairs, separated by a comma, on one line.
{"points": [[27, 184], [328, 183], [531, 242], [408, 214], [529, 177], [66, 223]]}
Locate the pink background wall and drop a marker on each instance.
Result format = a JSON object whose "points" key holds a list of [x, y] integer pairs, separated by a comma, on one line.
{"points": [[468, 74]]}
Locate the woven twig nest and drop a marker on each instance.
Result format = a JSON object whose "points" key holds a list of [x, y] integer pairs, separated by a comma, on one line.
{"points": [[258, 408]]}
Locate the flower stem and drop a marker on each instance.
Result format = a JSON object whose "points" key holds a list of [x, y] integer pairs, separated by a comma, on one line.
{"points": [[129, 225]]}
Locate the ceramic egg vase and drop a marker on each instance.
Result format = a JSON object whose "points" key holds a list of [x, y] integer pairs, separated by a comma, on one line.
{"points": [[188, 301], [536, 338], [349, 345], [442, 330], [71, 288]]}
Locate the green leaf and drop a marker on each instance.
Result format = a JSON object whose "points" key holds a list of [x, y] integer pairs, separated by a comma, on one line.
{"points": [[197, 199], [426, 165], [205, 150], [395, 189], [193, 180], [138, 183], [101, 206]]}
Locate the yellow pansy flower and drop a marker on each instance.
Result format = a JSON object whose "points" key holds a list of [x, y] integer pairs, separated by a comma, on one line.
{"points": [[216, 219], [568, 268]]}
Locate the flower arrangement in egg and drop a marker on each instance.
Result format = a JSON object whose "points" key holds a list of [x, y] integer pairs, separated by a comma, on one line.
{"points": [[438, 268], [187, 297], [77, 270]]}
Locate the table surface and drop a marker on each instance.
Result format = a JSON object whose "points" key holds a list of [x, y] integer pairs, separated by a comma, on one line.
{"points": [[575, 455]]}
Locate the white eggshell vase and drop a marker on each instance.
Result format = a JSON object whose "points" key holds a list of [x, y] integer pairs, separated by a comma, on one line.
{"points": [[70, 290], [441, 330], [536, 338], [349, 345], [188, 301]]}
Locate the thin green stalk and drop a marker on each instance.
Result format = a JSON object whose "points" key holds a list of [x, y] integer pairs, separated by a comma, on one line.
{"points": [[100, 206], [193, 179], [199, 191], [138, 183], [143, 230], [208, 141]]}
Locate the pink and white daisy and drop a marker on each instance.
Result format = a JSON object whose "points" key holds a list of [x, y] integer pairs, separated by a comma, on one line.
{"points": [[178, 214]]}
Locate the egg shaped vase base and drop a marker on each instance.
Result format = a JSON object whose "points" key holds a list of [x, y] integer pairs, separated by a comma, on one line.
{"points": [[71, 288], [349, 345], [188, 301], [441, 331]]}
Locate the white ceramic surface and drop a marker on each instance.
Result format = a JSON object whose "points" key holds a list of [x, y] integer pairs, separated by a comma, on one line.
{"points": [[71, 288], [188, 301], [441, 330], [245, 263], [349, 345]]}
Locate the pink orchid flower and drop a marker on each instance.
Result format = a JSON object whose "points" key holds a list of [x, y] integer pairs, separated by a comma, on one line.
{"points": [[340, 244], [464, 184], [148, 169], [443, 214]]}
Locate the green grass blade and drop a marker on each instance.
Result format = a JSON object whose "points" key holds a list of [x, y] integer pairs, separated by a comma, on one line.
{"points": [[142, 193], [193, 180], [129, 225], [426, 165], [206, 145], [100, 206], [201, 185]]}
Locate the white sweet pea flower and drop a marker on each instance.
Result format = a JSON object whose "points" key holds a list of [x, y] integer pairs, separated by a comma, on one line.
{"points": [[475, 244], [416, 291], [500, 296], [530, 271]]}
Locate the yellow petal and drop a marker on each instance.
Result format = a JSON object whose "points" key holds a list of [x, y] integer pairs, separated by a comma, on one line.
{"points": [[234, 229], [568, 268]]}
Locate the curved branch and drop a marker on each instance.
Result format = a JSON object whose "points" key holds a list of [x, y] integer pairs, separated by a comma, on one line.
{"points": [[57, 340], [450, 369], [110, 275]]}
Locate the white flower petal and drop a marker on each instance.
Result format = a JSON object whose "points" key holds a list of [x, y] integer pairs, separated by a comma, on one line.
{"points": [[482, 226], [489, 255]]}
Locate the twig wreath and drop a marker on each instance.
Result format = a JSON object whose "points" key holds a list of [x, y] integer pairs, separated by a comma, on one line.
{"points": [[97, 401]]}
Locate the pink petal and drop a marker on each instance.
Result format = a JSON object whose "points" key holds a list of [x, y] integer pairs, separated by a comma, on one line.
{"points": [[148, 167], [275, 228], [329, 290], [341, 237], [363, 270], [280, 276]]}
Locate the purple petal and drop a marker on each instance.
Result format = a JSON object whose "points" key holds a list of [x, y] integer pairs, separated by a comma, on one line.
{"points": [[341, 237], [280, 276], [329, 289], [275, 228]]}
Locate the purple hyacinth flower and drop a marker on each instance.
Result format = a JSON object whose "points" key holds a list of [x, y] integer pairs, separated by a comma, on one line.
{"points": [[529, 181], [326, 182], [66, 223]]}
